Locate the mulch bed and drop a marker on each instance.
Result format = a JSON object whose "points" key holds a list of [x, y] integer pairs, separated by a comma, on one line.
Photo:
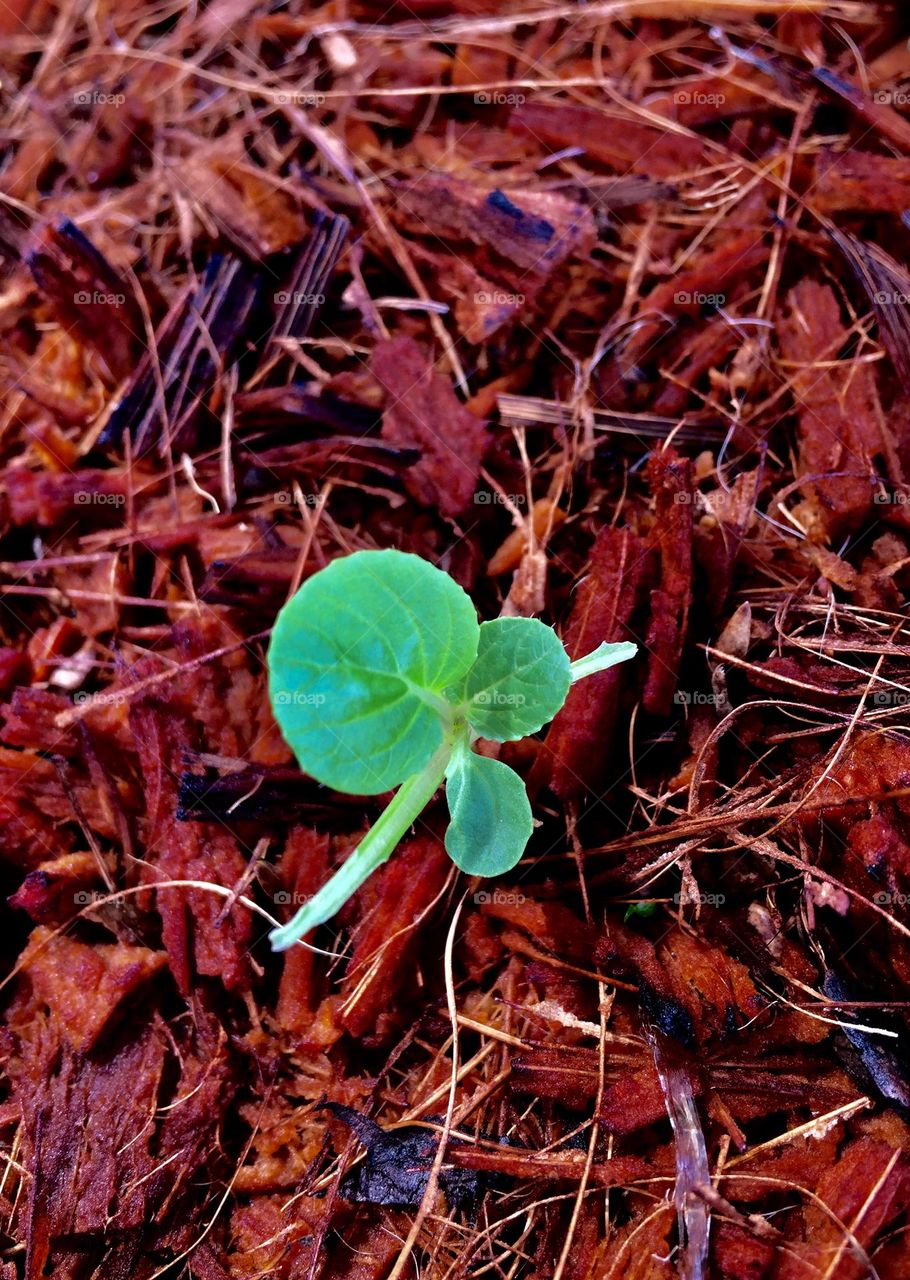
{"points": [[603, 309]]}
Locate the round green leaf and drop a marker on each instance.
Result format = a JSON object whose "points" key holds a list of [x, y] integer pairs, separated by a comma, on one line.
{"points": [[358, 663], [519, 681], [491, 816]]}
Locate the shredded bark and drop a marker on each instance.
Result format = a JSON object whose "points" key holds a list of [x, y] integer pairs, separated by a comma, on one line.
{"points": [[603, 308]]}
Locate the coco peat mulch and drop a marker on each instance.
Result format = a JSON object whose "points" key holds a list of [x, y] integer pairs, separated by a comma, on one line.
{"points": [[604, 309]]}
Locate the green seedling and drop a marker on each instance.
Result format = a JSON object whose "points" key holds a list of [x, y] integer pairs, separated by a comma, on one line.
{"points": [[380, 676]]}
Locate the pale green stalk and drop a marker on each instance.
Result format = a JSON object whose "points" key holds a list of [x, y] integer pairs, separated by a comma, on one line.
{"points": [[405, 807]]}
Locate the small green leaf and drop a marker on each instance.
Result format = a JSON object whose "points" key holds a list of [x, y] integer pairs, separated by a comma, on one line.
{"points": [[491, 817], [602, 658], [358, 663], [639, 911], [519, 681]]}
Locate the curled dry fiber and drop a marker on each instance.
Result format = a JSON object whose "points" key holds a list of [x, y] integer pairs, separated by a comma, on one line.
{"points": [[603, 308]]}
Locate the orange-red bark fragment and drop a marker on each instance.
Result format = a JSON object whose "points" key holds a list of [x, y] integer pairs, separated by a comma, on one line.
{"points": [[422, 412], [576, 749], [840, 423], [83, 986], [396, 902], [670, 477]]}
